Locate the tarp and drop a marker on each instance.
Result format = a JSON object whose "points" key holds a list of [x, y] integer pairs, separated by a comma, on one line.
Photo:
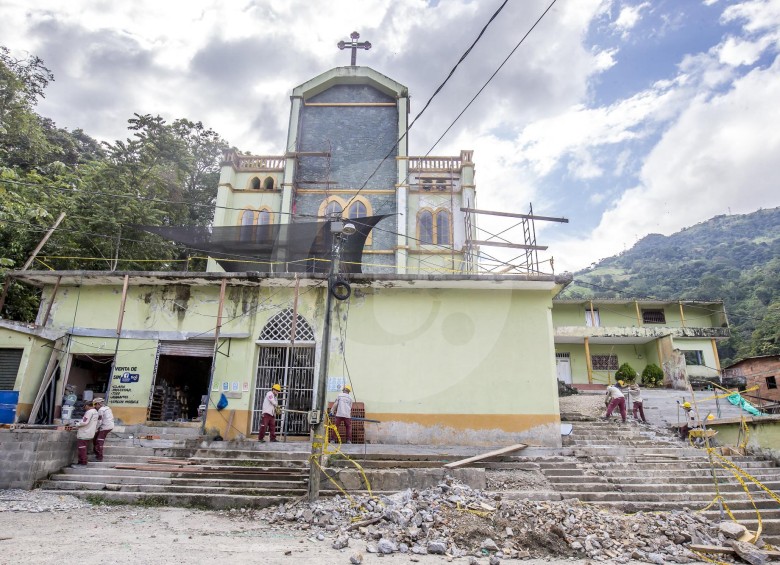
{"points": [[737, 400], [292, 248]]}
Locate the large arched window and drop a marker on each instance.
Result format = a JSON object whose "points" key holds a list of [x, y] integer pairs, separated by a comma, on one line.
{"points": [[443, 231], [268, 183], [357, 210], [254, 184], [425, 227]]}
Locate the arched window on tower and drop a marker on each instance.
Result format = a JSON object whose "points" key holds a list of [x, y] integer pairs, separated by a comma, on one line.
{"points": [[263, 217], [247, 224], [268, 183], [425, 227], [443, 228], [254, 184]]}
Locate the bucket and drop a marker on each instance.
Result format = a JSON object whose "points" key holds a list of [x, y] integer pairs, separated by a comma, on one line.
{"points": [[9, 400], [87, 396], [67, 412]]}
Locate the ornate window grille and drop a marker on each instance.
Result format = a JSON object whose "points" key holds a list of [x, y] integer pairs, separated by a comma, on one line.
{"points": [[279, 328]]}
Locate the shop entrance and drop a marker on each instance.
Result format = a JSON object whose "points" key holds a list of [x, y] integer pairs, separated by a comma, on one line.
{"points": [[181, 381], [87, 379]]}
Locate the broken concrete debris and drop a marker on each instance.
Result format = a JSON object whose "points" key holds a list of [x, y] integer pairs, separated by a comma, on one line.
{"points": [[451, 520]]}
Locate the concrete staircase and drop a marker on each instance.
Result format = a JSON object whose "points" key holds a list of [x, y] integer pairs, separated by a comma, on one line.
{"points": [[640, 468], [623, 466]]}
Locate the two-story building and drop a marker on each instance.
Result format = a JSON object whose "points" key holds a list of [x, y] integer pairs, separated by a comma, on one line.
{"points": [[594, 337]]}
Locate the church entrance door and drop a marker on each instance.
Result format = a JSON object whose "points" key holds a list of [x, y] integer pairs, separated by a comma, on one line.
{"points": [[291, 365]]}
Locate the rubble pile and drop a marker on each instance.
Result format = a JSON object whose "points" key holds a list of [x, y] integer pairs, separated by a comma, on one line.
{"points": [[454, 520]]}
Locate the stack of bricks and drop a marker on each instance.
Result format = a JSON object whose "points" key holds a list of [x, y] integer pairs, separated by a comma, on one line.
{"points": [[358, 427]]}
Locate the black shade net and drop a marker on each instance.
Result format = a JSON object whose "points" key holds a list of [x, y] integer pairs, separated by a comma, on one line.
{"points": [[303, 247]]}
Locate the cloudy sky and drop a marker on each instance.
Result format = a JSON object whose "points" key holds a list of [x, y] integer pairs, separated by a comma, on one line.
{"points": [[627, 117]]}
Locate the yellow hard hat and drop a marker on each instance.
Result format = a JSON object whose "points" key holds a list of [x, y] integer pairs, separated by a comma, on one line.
{"points": [[686, 404], [711, 416], [277, 388], [621, 383], [347, 388]]}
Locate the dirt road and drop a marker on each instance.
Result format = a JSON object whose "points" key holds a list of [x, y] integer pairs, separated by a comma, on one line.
{"points": [[161, 536]]}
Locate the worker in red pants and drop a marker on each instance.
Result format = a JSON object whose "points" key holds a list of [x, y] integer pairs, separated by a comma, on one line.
{"points": [[86, 430], [270, 405], [616, 400], [342, 410], [105, 425]]}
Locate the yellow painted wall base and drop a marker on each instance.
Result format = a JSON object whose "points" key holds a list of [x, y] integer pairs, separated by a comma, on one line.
{"points": [[129, 416], [217, 421], [23, 411]]}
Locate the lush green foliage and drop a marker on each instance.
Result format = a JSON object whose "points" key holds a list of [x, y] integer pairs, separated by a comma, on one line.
{"points": [[164, 174], [652, 375], [732, 258], [625, 373]]}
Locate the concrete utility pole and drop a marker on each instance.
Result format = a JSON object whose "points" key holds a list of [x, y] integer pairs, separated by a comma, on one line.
{"points": [[338, 231]]}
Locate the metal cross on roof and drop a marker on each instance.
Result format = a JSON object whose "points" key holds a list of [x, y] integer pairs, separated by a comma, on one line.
{"points": [[354, 45]]}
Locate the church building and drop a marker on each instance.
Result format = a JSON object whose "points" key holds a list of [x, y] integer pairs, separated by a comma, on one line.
{"points": [[435, 351]]}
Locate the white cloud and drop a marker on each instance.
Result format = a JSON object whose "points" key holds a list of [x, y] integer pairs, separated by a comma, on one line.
{"points": [[720, 154], [628, 18]]}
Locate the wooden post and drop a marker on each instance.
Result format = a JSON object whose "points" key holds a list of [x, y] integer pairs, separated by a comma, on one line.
{"points": [[51, 302], [118, 335], [638, 313], [43, 242], [588, 362], [214, 355], [715, 352], [293, 329], [682, 314], [592, 317]]}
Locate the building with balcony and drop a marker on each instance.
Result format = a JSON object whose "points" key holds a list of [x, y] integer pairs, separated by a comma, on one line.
{"points": [[594, 337]]}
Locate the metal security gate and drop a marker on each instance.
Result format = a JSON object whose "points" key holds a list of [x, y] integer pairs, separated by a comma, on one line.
{"points": [[10, 359], [291, 365]]}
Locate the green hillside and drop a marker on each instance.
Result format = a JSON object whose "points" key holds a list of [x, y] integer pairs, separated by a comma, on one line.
{"points": [[732, 258]]}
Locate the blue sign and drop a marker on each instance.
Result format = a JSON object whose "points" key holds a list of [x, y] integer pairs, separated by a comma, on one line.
{"points": [[129, 378]]}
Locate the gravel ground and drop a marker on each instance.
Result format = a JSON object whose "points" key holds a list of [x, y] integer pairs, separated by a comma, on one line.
{"points": [[499, 480], [49, 529], [585, 404]]}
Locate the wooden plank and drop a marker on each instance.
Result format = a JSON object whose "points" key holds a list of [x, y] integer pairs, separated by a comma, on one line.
{"points": [[728, 550], [488, 455], [167, 461]]}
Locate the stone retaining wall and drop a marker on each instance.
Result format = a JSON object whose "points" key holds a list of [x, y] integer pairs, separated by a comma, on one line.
{"points": [[27, 456]]}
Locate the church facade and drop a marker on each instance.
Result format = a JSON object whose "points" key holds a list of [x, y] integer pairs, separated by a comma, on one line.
{"points": [[347, 155]]}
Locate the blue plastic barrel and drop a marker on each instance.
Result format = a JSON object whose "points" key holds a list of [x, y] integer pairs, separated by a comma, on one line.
{"points": [[9, 400]]}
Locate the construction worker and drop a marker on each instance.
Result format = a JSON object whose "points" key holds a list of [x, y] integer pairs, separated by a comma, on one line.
{"points": [[270, 406], [615, 399], [85, 432], [636, 400], [105, 425], [342, 409]]}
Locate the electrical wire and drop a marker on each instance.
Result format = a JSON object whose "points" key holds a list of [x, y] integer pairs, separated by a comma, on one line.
{"points": [[428, 103]]}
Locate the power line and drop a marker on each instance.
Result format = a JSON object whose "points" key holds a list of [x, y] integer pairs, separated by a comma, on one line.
{"points": [[428, 103], [77, 191]]}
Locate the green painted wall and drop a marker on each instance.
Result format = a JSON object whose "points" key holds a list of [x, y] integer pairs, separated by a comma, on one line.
{"points": [[451, 351], [35, 357], [638, 356]]}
